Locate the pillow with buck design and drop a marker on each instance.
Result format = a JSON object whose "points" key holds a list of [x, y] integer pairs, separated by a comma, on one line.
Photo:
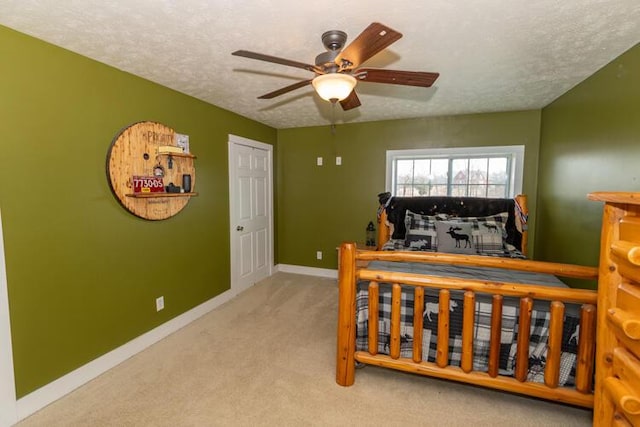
{"points": [[455, 237]]}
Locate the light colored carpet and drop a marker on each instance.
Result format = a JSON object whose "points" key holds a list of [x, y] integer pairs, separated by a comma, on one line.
{"points": [[267, 358]]}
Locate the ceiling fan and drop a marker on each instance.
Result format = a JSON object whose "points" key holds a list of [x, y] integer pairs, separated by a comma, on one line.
{"points": [[337, 71]]}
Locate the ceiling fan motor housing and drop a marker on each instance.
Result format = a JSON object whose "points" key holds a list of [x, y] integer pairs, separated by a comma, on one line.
{"points": [[326, 60], [333, 41]]}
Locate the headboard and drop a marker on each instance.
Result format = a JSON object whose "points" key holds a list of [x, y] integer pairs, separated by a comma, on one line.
{"points": [[393, 209]]}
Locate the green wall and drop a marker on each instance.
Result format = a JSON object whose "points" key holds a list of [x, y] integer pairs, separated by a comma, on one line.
{"points": [[321, 206], [83, 274], [590, 141]]}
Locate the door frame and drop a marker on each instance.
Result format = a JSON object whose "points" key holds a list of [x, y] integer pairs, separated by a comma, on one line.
{"points": [[239, 140], [8, 404]]}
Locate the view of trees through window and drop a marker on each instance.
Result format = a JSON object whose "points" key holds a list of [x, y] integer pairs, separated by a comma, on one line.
{"points": [[486, 176]]}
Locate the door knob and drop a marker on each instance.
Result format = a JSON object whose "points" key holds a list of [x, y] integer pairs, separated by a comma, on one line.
{"points": [[239, 228]]}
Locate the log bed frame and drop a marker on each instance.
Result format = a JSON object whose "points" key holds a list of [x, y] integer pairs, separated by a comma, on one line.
{"points": [[353, 267]]}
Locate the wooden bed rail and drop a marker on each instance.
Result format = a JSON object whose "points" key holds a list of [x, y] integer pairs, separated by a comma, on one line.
{"points": [[497, 288], [580, 395], [557, 269]]}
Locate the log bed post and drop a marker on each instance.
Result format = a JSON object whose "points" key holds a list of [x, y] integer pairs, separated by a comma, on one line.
{"points": [[418, 319], [373, 318], [394, 333], [521, 201], [496, 329], [442, 351], [586, 349], [383, 230], [468, 321], [345, 360], [554, 349], [524, 328]]}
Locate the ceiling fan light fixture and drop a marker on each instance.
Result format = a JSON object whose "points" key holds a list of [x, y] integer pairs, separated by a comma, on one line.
{"points": [[334, 87]]}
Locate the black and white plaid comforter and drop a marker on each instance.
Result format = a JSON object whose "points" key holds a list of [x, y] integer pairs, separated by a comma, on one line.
{"points": [[482, 323]]}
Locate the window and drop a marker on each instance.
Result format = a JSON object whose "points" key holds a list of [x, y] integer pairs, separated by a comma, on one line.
{"points": [[472, 171]]}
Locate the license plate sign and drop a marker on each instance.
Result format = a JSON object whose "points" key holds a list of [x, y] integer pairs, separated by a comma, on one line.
{"points": [[148, 184]]}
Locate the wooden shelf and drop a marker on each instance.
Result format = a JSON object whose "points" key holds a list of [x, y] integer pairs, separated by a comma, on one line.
{"points": [[153, 195], [185, 155], [134, 153]]}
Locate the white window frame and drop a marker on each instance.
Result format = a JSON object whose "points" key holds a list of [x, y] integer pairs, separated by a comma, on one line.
{"points": [[516, 152]]}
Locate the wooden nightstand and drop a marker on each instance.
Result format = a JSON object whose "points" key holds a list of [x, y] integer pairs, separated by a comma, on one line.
{"points": [[363, 247], [359, 247]]}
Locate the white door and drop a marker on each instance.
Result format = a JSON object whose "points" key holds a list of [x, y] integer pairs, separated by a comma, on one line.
{"points": [[251, 211]]}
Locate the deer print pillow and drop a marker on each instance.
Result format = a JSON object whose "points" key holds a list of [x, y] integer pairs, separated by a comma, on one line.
{"points": [[489, 232], [455, 237], [421, 231]]}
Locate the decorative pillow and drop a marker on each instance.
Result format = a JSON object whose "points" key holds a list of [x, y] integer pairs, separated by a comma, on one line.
{"points": [[421, 231], [455, 237], [488, 243], [393, 245], [489, 232]]}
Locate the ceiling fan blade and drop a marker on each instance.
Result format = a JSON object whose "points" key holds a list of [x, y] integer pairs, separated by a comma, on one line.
{"points": [[275, 59], [351, 101], [372, 40], [284, 90], [407, 78]]}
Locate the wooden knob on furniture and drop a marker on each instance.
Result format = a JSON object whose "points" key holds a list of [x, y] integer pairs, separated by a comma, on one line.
{"points": [[630, 405], [629, 323], [631, 329], [619, 391]]}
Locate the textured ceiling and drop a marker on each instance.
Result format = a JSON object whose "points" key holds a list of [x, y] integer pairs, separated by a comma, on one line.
{"points": [[492, 55]]}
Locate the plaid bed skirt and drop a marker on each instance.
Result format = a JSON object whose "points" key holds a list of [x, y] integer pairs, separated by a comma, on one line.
{"points": [[539, 333]]}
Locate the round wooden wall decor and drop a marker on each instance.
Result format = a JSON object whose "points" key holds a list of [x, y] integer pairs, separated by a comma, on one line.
{"points": [[148, 171]]}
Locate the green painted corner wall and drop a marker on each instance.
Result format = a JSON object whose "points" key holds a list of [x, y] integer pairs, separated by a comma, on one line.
{"points": [[590, 141], [82, 273], [321, 206]]}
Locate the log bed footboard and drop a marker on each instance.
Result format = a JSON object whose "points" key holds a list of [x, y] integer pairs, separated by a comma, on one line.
{"points": [[349, 275]]}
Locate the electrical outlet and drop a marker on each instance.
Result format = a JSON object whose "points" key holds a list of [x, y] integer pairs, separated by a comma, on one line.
{"points": [[159, 303], [319, 255], [319, 161]]}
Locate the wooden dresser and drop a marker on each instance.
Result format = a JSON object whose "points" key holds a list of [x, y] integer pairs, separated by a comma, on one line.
{"points": [[617, 381]]}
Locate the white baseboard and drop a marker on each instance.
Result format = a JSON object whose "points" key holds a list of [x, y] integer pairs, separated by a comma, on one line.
{"points": [[309, 271], [53, 391]]}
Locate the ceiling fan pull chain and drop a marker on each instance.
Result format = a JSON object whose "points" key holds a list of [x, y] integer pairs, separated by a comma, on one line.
{"points": [[333, 118]]}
